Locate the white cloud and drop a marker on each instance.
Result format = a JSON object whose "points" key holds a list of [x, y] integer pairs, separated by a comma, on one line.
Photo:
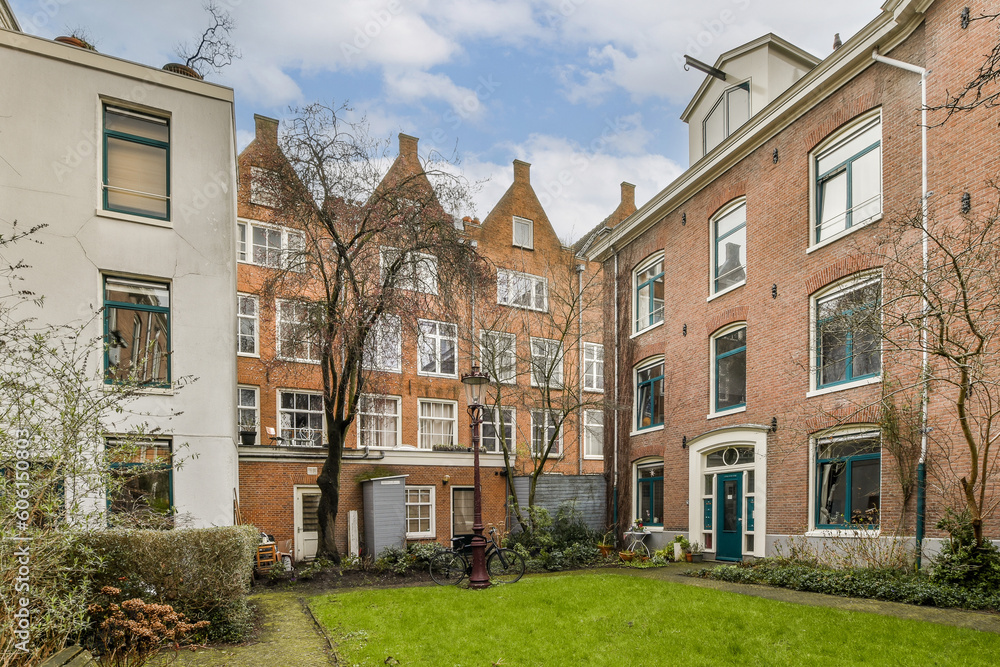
{"points": [[409, 86]]}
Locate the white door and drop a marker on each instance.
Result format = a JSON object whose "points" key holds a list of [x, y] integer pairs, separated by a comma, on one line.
{"points": [[306, 522]]}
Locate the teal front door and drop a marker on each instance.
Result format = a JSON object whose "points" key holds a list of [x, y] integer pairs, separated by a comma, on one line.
{"points": [[729, 518]]}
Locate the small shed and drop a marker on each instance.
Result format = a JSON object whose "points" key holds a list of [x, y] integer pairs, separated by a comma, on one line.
{"points": [[384, 502]]}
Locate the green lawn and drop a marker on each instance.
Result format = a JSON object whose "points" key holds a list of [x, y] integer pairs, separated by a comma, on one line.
{"points": [[614, 619]]}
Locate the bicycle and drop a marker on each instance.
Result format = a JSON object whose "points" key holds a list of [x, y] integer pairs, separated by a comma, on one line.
{"points": [[450, 566]]}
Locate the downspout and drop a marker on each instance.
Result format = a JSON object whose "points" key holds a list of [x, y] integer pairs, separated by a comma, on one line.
{"points": [[924, 370], [580, 360], [614, 468]]}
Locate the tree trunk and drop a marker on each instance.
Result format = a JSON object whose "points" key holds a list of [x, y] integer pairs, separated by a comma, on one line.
{"points": [[329, 501]]}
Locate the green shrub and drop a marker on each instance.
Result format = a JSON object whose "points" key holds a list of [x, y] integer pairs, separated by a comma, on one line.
{"points": [[961, 560], [394, 559], [203, 573], [556, 544]]}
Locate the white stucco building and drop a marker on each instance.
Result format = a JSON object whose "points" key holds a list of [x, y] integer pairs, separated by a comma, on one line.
{"points": [[132, 170]]}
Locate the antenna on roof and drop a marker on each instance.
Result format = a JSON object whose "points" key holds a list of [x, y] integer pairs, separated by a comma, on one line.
{"points": [[690, 62]]}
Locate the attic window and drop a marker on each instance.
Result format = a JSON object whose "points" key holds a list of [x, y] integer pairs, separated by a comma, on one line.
{"points": [[728, 114], [524, 233]]}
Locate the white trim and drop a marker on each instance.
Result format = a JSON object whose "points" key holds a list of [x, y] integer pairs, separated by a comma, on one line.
{"points": [[417, 260], [648, 362], [420, 421], [451, 506], [556, 363], [647, 262], [586, 456], [438, 337], [429, 534], [286, 234], [277, 335], [642, 463], [728, 329], [256, 409], [729, 207], [511, 350], [649, 429], [374, 340], [839, 235], [256, 324], [698, 448], [535, 281], [600, 375], [846, 432], [128, 217], [725, 291], [278, 411], [833, 290], [558, 449], [531, 232], [649, 328], [398, 400]]}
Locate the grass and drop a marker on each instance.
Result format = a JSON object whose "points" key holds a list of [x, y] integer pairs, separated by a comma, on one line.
{"points": [[614, 619]]}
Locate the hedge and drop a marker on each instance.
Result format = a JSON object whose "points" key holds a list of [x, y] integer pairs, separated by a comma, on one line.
{"points": [[205, 573]]}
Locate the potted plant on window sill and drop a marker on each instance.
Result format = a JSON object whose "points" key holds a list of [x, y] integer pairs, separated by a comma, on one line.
{"points": [[248, 433], [696, 553]]}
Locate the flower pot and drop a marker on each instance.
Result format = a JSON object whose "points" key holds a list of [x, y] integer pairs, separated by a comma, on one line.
{"points": [[74, 41], [248, 438], [605, 550], [626, 555], [689, 558], [697, 558], [184, 70]]}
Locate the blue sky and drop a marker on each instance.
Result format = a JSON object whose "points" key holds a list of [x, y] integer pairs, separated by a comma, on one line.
{"points": [[588, 91]]}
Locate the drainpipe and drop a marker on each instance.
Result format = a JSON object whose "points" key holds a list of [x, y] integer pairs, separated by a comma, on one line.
{"points": [[580, 362], [614, 468], [924, 370]]}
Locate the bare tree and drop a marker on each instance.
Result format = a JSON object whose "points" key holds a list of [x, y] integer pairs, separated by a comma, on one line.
{"points": [[215, 50], [544, 333], [379, 246], [983, 89]]}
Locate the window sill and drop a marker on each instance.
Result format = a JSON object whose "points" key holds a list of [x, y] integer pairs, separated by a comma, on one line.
{"points": [[437, 375], [128, 217], [649, 328], [591, 457], [649, 429], [726, 291], [156, 391], [842, 387], [593, 391], [297, 361], [852, 533], [248, 355], [723, 413], [839, 235], [382, 370], [420, 536]]}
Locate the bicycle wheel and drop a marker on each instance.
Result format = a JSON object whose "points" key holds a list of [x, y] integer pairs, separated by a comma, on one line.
{"points": [[639, 548], [505, 566], [448, 568]]}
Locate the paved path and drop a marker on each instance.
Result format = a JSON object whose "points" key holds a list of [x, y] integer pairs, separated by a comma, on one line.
{"points": [[976, 620], [288, 637]]}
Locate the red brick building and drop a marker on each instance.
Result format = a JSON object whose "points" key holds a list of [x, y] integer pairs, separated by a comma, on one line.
{"points": [[745, 419], [529, 327]]}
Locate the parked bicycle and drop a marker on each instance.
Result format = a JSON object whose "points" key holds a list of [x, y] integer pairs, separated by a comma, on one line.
{"points": [[451, 566]]}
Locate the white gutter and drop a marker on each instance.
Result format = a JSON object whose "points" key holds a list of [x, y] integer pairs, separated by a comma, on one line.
{"points": [[923, 227], [614, 471]]}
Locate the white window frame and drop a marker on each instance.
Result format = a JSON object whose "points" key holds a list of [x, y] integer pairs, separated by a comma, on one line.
{"points": [[489, 417], [290, 240], [240, 408], [364, 428], [437, 338], [557, 449], [547, 360], [278, 321], [859, 431], [504, 355], [254, 319], [381, 353], [529, 226], [713, 373], [281, 411], [727, 126], [423, 274], [833, 291], [835, 141], [641, 322], [536, 288], [422, 421], [590, 427], [729, 209], [431, 503], [260, 196], [593, 367]]}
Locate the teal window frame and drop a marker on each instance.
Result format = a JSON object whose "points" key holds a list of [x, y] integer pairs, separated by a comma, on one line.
{"points": [[651, 383], [149, 468], [648, 485], [845, 167], [849, 352], [648, 314], [848, 468], [719, 258], [718, 358], [109, 304], [145, 141]]}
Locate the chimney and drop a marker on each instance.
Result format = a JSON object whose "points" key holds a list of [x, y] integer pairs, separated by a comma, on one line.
{"points": [[407, 147], [628, 196], [267, 129], [522, 172], [836, 41]]}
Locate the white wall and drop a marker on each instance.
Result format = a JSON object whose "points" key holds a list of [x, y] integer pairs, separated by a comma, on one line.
{"points": [[50, 124]]}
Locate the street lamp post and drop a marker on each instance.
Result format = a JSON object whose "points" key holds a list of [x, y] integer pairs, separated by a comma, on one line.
{"points": [[475, 382]]}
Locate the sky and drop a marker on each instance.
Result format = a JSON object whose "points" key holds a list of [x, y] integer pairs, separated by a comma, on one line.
{"points": [[589, 92]]}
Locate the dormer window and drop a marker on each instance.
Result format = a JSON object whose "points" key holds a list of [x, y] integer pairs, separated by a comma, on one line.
{"points": [[728, 114], [524, 233]]}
